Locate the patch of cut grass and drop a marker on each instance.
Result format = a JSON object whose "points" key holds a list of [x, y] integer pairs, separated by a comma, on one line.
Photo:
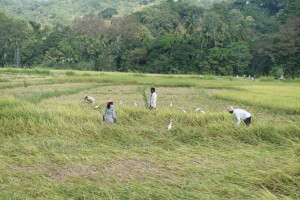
{"points": [[44, 95]]}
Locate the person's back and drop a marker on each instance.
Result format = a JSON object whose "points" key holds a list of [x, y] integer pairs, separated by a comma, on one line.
{"points": [[240, 115], [90, 99], [109, 113]]}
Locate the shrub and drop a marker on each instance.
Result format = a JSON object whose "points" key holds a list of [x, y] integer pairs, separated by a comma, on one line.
{"points": [[267, 79], [70, 73]]}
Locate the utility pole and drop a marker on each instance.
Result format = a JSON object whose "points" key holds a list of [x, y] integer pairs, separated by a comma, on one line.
{"points": [[17, 58]]}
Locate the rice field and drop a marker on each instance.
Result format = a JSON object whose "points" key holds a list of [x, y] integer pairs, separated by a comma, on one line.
{"points": [[54, 145], [279, 97]]}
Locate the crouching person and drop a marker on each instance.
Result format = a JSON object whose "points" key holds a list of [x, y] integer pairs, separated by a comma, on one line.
{"points": [[240, 115], [89, 99], [109, 113]]}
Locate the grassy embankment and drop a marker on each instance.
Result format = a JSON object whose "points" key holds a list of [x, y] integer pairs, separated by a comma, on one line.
{"points": [[55, 146]]}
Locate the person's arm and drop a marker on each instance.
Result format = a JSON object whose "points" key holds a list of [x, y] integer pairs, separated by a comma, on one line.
{"points": [[237, 119], [114, 115], [151, 97], [103, 114]]}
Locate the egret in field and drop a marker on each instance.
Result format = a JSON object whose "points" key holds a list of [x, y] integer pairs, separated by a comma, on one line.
{"points": [[135, 104], [170, 125], [171, 104], [183, 110], [121, 103], [198, 109], [96, 107]]}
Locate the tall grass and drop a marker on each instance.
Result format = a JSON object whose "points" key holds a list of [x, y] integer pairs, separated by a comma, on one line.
{"points": [[280, 98], [64, 150], [70, 73], [61, 149], [3, 80]]}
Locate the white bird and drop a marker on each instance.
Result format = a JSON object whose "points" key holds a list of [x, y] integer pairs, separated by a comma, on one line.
{"points": [[96, 107], [135, 104], [171, 104], [183, 110], [170, 125], [198, 109], [121, 103]]}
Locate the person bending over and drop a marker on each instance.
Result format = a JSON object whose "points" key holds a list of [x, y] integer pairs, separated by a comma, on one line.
{"points": [[240, 115], [89, 99]]}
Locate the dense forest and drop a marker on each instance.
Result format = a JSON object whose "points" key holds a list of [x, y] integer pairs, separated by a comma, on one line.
{"points": [[224, 38]]}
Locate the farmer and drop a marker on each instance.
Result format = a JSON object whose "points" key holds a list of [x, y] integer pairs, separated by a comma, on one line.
{"points": [[153, 97], [109, 113], [281, 77], [89, 99], [240, 115]]}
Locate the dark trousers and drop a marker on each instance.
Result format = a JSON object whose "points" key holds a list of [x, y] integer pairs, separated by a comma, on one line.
{"points": [[247, 121]]}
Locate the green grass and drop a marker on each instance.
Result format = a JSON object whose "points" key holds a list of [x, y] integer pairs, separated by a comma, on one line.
{"points": [[70, 73], [25, 71], [280, 98], [3, 80], [56, 146], [44, 95]]}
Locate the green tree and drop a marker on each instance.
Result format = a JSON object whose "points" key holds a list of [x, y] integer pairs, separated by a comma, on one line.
{"points": [[287, 47], [239, 57], [12, 33], [217, 61], [108, 13]]}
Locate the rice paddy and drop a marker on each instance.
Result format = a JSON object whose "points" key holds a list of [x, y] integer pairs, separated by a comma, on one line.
{"points": [[54, 145]]}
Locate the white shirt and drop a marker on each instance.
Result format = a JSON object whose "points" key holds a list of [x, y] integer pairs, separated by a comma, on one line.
{"points": [[91, 99], [240, 115], [153, 100]]}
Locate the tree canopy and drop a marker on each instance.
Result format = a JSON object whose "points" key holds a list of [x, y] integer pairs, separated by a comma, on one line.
{"points": [[227, 38]]}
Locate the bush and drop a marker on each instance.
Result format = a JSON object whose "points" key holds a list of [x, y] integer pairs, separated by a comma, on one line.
{"points": [[70, 73], [267, 79]]}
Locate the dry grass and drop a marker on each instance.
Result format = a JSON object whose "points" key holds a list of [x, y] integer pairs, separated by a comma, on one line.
{"points": [[59, 148], [22, 92]]}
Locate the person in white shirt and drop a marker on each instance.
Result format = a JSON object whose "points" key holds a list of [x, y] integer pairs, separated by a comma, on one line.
{"points": [[89, 99], [240, 115], [153, 97]]}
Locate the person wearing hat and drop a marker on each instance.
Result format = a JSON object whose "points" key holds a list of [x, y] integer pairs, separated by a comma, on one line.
{"points": [[240, 115], [89, 99], [109, 113], [153, 97]]}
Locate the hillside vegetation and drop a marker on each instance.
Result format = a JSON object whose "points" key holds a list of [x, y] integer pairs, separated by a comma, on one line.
{"points": [[238, 37], [55, 145], [63, 12]]}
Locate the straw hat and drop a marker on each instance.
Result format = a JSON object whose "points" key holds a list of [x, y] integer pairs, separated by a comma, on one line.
{"points": [[230, 108], [108, 101]]}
